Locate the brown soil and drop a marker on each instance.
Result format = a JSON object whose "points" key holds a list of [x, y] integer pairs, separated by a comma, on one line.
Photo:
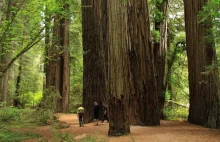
{"points": [[168, 131]]}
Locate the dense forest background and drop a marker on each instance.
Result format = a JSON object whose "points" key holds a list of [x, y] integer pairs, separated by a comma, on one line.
{"points": [[47, 58]]}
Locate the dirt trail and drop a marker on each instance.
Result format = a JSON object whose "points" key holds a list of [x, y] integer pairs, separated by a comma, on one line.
{"points": [[168, 131]]}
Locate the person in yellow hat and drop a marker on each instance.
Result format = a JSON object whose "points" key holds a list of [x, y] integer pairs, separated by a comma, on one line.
{"points": [[80, 114]]}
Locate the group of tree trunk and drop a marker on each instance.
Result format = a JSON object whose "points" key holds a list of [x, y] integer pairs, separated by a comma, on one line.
{"points": [[119, 69], [125, 70], [58, 57]]}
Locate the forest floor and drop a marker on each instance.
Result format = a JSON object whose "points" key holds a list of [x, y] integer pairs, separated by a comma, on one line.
{"points": [[168, 131]]}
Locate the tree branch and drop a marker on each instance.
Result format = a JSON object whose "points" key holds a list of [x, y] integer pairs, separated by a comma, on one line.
{"points": [[12, 20], [28, 47]]}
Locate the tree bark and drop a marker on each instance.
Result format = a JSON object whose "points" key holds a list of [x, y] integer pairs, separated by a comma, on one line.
{"points": [[94, 58], [118, 68], [160, 48], [4, 58], [203, 72], [2, 14], [145, 105]]}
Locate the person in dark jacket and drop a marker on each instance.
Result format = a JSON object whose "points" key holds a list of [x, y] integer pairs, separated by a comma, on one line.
{"points": [[105, 117], [96, 113]]}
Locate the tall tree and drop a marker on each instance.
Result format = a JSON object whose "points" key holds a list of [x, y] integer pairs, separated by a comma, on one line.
{"points": [[94, 47], [57, 70], [118, 67], [144, 108], [4, 54], [160, 48], [203, 72], [2, 16]]}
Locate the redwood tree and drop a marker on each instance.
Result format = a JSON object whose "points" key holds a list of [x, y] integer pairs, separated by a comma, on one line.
{"points": [[94, 59], [144, 106], [58, 56], [160, 48], [118, 67], [4, 46], [203, 72]]}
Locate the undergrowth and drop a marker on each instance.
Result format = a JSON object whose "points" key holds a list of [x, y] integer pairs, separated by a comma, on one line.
{"points": [[176, 113], [13, 136]]}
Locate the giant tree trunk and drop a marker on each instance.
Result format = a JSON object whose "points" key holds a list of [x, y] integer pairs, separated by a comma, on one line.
{"points": [[144, 106], [57, 70], [118, 68], [203, 83], [94, 59], [160, 48]]}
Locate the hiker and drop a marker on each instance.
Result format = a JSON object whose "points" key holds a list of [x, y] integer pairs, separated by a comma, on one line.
{"points": [[80, 114], [96, 113], [105, 116]]}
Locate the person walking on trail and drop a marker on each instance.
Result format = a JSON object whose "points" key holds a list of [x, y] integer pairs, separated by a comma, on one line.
{"points": [[105, 117], [96, 113], [80, 114]]}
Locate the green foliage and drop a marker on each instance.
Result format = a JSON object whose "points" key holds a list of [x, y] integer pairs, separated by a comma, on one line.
{"points": [[90, 139], [156, 15], [31, 79], [167, 96], [176, 113], [3, 104], [155, 2], [67, 137], [179, 38], [57, 137], [211, 15], [155, 35], [175, 18], [43, 116], [179, 72], [125, 2], [12, 117], [47, 105], [19, 31], [48, 102], [76, 74], [12, 136], [8, 114]]}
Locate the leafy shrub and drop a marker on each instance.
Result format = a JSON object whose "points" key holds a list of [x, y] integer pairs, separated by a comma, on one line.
{"points": [[176, 113], [48, 102], [47, 106], [155, 35], [43, 116], [11, 136], [8, 114]]}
